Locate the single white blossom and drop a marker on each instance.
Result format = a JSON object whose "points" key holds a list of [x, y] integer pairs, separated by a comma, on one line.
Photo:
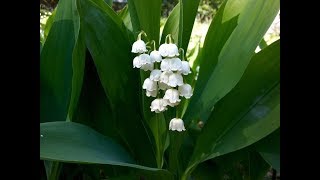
{"points": [[155, 56], [172, 95], [155, 75], [175, 79], [185, 68], [176, 124], [141, 60], [163, 86], [139, 47], [144, 59], [171, 64], [149, 85], [158, 105], [168, 50], [152, 93], [164, 77], [185, 90]]}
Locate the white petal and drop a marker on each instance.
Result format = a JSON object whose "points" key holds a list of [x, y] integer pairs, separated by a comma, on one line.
{"points": [[171, 104], [172, 50], [144, 59], [155, 56], [149, 85], [147, 67], [155, 75], [158, 105], [163, 86], [164, 77], [185, 90], [185, 68], [165, 66], [175, 64], [172, 95], [163, 50], [152, 93], [139, 47], [136, 62], [171, 64], [175, 79], [176, 124]]}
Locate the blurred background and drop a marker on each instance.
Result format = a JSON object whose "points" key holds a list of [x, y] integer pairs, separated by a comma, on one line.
{"points": [[206, 11]]}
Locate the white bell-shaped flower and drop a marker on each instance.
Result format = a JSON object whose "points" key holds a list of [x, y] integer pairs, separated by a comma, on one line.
{"points": [[165, 65], [172, 104], [185, 68], [176, 124], [172, 64], [144, 59], [152, 93], [172, 95], [155, 56], [155, 75], [139, 47], [185, 90], [158, 105], [149, 85], [136, 62], [163, 86], [168, 50], [147, 67], [175, 79], [164, 77], [141, 60]]}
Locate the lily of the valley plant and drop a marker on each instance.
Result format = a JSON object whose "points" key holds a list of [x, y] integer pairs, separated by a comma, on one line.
{"points": [[120, 100], [166, 75]]}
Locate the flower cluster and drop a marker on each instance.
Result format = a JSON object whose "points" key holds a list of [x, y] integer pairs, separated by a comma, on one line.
{"points": [[167, 71]]}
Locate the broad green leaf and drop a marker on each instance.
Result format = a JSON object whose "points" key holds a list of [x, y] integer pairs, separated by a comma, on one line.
{"points": [[228, 64], [77, 143], [189, 12], [56, 64], [49, 23], [181, 31], [93, 108], [108, 44], [269, 149], [158, 127], [263, 44], [172, 25], [109, 2], [78, 65], [125, 16], [255, 114], [145, 15], [217, 35]]}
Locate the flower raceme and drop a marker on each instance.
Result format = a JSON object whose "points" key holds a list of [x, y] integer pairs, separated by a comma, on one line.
{"points": [[166, 70]]}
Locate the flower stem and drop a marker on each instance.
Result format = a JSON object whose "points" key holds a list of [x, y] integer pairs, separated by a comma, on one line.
{"points": [[140, 34], [169, 39], [154, 44], [182, 54]]}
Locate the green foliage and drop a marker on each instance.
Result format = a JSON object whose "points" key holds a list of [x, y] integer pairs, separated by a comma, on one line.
{"points": [[95, 117]]}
